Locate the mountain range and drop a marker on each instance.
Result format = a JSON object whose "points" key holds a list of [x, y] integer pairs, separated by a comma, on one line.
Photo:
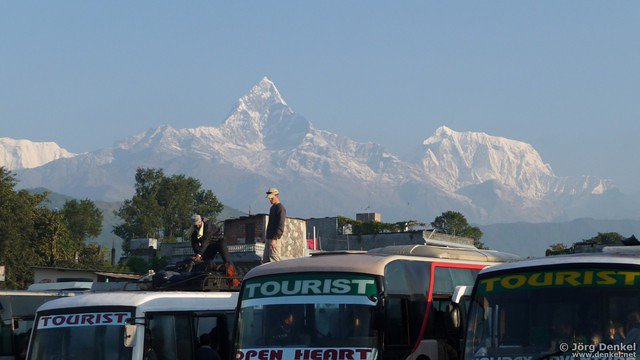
{"points": [[263, 142]]}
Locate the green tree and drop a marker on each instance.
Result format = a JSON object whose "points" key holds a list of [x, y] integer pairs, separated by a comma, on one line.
{"points": [[33, 235], [558, 249], [141, 215], [83, 219], [454, 223], [375, 227], [162, 206], [608, 238]]}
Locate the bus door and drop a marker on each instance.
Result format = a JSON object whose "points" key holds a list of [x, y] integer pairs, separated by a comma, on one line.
{"points": [[171, 334], [441, 335], [219, 326]]}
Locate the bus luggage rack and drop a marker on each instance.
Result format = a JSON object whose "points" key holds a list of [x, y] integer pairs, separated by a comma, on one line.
{"points": [[198, 282]]}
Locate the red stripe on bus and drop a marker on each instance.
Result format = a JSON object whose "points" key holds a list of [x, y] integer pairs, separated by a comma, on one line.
{"points": [[430, 295]]}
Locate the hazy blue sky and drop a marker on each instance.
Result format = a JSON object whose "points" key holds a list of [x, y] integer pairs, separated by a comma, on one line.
{"points": [[563, 76]]}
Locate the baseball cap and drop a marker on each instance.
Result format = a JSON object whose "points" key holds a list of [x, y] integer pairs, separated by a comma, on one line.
{"points": [[272, 192], [197, 219]]}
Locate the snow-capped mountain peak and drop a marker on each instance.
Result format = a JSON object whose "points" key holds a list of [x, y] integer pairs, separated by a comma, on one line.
{"points": [[264, 142], [262, 117], [26, 154], [459, 159], [261, 98]]}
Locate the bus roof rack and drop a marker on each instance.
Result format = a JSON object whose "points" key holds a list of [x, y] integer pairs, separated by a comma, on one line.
{"points": [[338, 252], [441, 252]]}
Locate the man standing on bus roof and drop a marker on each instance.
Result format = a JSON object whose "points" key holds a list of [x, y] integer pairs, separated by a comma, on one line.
{"points": [[207, 241], [275, 227]]}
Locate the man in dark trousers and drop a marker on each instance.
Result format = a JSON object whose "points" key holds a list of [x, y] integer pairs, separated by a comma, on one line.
{"points": [[275, 227], [207, 241]]}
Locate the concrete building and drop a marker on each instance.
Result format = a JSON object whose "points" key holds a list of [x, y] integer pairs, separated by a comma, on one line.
{"points": [[145, 248], [323, 228], [44, 274], [368, 217], [252, 229]]}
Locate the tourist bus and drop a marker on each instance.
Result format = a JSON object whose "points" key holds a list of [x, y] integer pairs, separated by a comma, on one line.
{"points": [[132, 325], [17, 311], [388, 303], [559, 307]]}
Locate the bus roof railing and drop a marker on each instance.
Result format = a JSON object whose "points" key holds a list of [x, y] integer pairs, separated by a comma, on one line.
{"points": [[440, 252], [338, 252], [448, 244]]}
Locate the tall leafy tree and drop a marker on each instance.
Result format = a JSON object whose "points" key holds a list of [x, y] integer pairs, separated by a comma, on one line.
{"points": [[33, 235], [162, 206], [141, 215], [606, 238], [454, 223], [83, 219]]}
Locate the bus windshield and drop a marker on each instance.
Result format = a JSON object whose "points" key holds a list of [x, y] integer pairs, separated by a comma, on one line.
{"points": [[324, 316], [556, 314], [96, 335]]}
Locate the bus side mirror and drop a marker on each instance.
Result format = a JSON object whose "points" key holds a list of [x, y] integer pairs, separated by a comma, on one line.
{"points": [[379, 314], [130, 335], [454, 314]]}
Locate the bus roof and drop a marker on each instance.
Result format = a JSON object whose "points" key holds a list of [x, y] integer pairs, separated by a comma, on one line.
{"points": [[150, 301], [374, 261], [610, 257], [20, 303]]}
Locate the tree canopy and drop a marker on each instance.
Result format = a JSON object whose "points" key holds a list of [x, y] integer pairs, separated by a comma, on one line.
{"points": [[33, 235], [454, 223], [606, 238], [374, 227], [162, 206]]}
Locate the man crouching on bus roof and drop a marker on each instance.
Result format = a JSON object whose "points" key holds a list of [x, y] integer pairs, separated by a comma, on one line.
{"points": [[207, 241]]}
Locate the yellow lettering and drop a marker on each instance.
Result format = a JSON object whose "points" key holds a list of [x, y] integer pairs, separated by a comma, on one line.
{"points": [[570, 277], [629, 276], [489, 283], [606, 278], [588, 278], [546, 281], [507, 282]]}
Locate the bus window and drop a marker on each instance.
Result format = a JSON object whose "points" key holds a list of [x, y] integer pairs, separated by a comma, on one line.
{"points": [[533, 313], [6, 337], [171, 336], [85, 335], [218, 326], [407, 287], [291, 316], [445, 279]]}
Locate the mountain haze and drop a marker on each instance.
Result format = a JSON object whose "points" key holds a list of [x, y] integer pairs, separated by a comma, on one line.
{"points": [[263, 142]]}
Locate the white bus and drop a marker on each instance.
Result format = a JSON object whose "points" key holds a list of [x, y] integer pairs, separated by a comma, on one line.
{"points": [[560, 307], [17, 311], [389, 303], [132, 325]]}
